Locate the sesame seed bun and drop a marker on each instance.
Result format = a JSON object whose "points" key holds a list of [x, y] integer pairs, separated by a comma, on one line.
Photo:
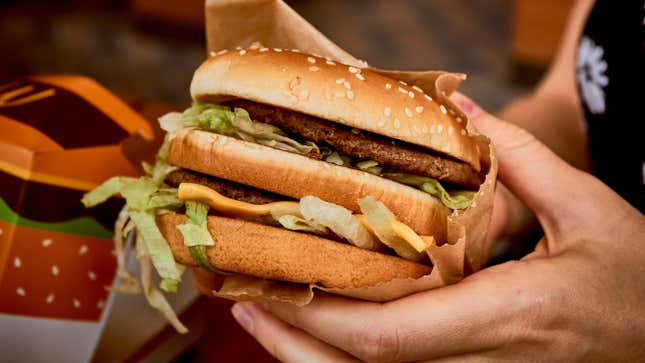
{"points": [[297, 176], [356, 97], [279, 254]]}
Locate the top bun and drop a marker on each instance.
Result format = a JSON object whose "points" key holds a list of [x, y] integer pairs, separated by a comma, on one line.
{"points": [[356, 97]]}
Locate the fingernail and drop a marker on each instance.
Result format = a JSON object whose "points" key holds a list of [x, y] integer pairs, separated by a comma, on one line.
{"points": [[470, 108], [242, 316]]}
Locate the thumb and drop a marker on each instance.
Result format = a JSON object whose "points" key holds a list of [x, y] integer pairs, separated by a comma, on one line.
{"points": [[538, 177]]}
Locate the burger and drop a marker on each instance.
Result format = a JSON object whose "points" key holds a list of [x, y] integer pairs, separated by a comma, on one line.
{"points": [[294, 167]]}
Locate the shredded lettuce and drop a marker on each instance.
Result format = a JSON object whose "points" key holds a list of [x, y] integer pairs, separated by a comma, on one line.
{"points": [[164, 198], [122, 227], [104, 191], [340, 220], [296, 223], [156, 245], [237, 122], [171, 122], [155, 297], [455, 200], [380, 220], [195, 232]]}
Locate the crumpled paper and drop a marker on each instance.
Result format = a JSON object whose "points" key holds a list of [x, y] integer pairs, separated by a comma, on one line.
{"points": [[272, 23]]}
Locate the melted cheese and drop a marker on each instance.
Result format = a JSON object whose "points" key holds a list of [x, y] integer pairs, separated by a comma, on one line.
{"points": [[232, 207]]}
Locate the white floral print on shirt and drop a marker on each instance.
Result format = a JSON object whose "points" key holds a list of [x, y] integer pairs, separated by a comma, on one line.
{"points": [[591, 70]]}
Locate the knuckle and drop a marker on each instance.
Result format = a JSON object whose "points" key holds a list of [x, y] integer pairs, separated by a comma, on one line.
{"points": [[377, 345]]}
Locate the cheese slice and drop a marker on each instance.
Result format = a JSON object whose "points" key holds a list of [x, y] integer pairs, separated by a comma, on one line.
{"points": [[235, 208]]}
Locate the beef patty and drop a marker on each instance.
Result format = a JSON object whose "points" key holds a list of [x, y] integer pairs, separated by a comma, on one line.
{"points": [[395, 155], [227, 188]]}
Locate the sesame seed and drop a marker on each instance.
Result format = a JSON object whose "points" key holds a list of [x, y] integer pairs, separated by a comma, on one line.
{"points": [[91, 275], [339, 94], [314, 69], [416, 88], [340, 80], [439, 129], [403, 90], [397, 123], [387, 112], [243, 52], [264, 49], [304, 94], [49, 299], [330, 62], [451, 112], [353, 69], [76, 303], [47, 242], [408, 112], [443, 109], [388, 86], [415, 128], [450, 130], [20, 291], [222, 51], [428, 97], [419, 109], [277, 50], [238, 47], [16, 262], [311, 60], [1, 231], [350, 95], [381, 123], [463, 132], [212, 54], [55, 270], [411, 94], [360, 76], [316, 55], [347, 85], [424, 129], [295, 50], [403, 83], [82, 250]]}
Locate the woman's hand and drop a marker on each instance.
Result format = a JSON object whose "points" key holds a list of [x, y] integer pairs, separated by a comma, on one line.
{"points": [[580, 296]]}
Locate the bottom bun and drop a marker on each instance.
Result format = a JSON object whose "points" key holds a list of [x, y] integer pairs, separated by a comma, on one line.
{"points": [[280, 254]]}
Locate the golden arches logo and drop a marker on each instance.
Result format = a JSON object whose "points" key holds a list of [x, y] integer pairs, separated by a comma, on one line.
{"points": [[11, 96]]}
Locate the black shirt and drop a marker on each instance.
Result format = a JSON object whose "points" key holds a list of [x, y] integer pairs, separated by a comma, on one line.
{"points": [[610, 75]]}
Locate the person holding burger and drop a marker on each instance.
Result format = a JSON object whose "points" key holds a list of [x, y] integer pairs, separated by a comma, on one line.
{"points": [[579, 295]]}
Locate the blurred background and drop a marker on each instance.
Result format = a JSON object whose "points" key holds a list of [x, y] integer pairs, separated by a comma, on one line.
{"points": [[145, 51]]}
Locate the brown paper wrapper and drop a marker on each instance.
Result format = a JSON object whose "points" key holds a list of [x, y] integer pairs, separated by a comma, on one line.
{"points": [[272, 23]]}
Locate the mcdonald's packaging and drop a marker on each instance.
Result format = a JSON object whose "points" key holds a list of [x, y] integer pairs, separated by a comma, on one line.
{"points": [[59, 137]]}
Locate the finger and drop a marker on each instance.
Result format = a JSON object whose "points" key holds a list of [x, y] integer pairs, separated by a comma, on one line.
{"points": [[284, 342], [435, 323], [527, 167]]}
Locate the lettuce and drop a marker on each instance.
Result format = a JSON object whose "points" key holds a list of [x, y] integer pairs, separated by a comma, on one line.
{"points": [[104, 191], [340, 220], [221, 119], [296, 223], [195, 232], [380, 219], [155, 297], [455, 200], [156, 246]]}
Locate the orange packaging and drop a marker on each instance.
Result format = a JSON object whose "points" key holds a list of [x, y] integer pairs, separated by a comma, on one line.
{"points": [[60, 136]]}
